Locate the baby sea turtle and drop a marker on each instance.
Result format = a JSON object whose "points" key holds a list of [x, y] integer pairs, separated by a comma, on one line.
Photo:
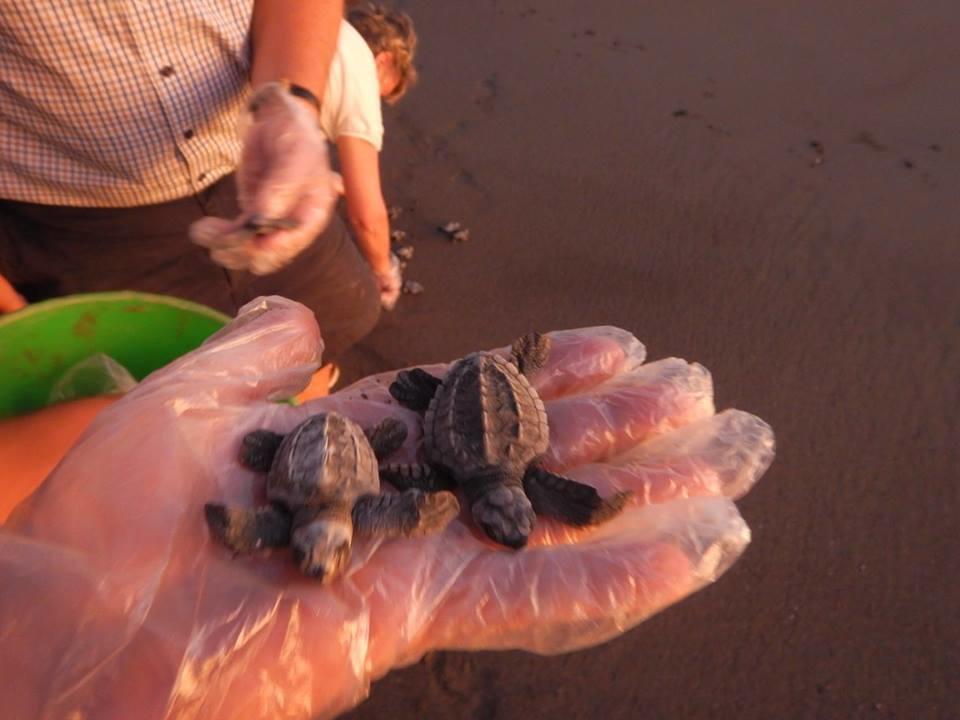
{"points": [[323, 487], [455, 232], [404, 252], [262, 225], [411, 287], [398, 236], [484, 429]]}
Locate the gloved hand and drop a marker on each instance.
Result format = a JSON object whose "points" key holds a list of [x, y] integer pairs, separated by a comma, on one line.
{"points": [[286, 188], [117, 604], [390, 282]]}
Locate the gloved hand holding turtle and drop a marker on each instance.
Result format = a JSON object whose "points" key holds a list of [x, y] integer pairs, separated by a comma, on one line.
{"points": [[287, 190], [120, 604]]}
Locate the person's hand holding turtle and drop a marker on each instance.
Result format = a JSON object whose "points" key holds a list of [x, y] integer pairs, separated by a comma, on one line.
{"points": [[119, 603], [287, 190]]}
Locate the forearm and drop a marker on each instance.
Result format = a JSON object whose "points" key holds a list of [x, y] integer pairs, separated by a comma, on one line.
{"points": [[372, 231], [295, 40]]}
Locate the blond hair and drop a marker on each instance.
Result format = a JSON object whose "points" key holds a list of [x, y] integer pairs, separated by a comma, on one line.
{"points": [[389, 31]]}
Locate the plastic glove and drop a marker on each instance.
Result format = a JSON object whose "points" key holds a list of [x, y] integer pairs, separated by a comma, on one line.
{"points": [[284, 175], [390, 283], [117, 604]]}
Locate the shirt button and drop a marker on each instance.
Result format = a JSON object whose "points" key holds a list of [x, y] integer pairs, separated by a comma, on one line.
{"points": [[167, 71], [188, 133], [201, 177]]}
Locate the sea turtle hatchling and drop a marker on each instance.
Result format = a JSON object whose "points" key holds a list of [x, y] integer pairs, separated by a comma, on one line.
{"points": [[484, 428], [323, 489]]}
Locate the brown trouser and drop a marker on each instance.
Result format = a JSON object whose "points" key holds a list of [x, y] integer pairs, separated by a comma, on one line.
{"points": [[49, 251]]}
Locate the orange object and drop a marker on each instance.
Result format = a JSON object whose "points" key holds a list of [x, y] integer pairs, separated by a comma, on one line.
{"points": [[10, 299], [32, 445]]}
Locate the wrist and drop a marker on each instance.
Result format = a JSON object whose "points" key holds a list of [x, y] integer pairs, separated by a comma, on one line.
{"points": [[301, 96], [382, 266]]}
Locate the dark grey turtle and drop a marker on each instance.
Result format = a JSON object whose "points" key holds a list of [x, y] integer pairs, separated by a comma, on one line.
{"points": [[262, 225], [323, 487], [484, 428], [411, 287]]}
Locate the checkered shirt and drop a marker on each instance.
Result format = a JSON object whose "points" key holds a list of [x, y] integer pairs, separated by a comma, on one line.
{"points": [[116, 103]]}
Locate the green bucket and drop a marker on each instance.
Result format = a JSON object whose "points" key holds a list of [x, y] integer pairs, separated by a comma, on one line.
{"points": [[140, 331]]}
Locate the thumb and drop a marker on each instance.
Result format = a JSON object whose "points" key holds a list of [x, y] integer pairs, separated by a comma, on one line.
{"points": [[268, 352]]}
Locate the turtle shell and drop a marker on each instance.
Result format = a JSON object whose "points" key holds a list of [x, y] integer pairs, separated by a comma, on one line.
{"points": [[326, 458], [485, 418]]}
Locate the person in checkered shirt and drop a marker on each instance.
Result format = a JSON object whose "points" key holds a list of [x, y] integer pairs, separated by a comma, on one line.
{"points": [[119, 131]]}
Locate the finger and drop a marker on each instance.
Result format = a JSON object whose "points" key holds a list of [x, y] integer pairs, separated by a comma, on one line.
{"points": [[578, 360], [721, 455], [627, 410], [271, 251], [583, 358], [232, 258], [452, 592], [215, 233], [268, 253]]}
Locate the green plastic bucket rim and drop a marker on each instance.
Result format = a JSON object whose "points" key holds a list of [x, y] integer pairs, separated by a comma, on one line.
{"points": [[113, 296]]}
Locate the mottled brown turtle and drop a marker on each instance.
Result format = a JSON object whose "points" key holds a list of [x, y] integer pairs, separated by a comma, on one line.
{"points": [[484, 428], [323, 487]]}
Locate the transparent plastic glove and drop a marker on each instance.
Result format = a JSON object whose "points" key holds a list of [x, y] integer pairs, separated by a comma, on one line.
{"points": [[117, 604], [390, 283], [286, 188], [98, 374]]}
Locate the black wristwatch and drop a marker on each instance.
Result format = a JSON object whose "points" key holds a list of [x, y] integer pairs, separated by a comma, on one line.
{"points": [[301, 92]]}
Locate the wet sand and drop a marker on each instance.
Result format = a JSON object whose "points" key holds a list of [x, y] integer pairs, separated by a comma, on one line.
{"points": [[772, 193]]}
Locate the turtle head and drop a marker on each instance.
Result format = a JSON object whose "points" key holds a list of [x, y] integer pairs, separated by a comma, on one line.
{"points": [[321, 547], [505, 514]]}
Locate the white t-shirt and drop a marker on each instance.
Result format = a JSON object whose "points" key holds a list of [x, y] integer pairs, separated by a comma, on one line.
{"points": [[351, 103]]}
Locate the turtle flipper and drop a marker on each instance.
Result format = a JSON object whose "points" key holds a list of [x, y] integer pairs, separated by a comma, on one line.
{"points": [[259, 448], [417, 476], [387, 437], [570, 501], [414, 388], [408, 514], [245, 531], [530, 352]]}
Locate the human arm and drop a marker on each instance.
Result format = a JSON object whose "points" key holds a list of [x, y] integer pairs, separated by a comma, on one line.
{"points": [[367, 212], [294, 40], [284, 171], [121, 605]]}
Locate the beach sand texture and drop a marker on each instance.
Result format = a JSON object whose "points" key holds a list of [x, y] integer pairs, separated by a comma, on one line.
{"points": [[770, 189]]}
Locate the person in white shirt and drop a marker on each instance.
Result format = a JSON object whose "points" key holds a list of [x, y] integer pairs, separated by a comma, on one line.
{"points": [[118, 133], [373, 60]]}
